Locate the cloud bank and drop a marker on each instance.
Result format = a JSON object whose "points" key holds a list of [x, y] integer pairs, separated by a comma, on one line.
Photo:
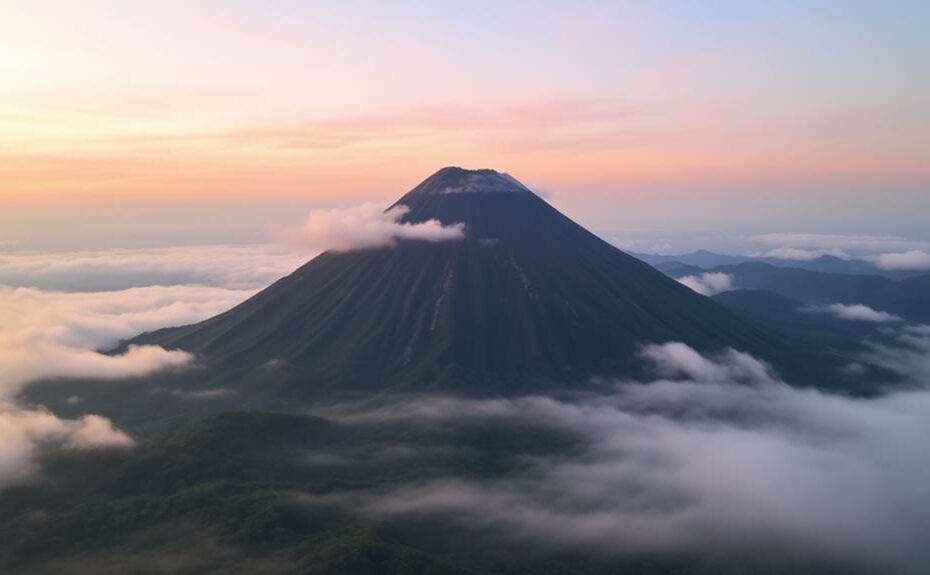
{"points": [[892, 253], [717, 457], [365, 227], [708, 284], [54, 334], [57, 335], [856, 312], [804, 254], [833, 241], [231, 266], [911, 260], [26, 433]]}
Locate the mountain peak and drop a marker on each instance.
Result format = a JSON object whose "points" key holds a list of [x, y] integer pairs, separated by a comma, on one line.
{"points": [[528, 297], [456, 180]]}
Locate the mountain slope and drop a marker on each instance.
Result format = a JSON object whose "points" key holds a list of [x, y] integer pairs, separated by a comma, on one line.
{"points": [[528, 297]]}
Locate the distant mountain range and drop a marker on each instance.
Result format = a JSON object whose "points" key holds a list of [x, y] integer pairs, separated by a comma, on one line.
{"points": [[830, 264], [908, 298]]}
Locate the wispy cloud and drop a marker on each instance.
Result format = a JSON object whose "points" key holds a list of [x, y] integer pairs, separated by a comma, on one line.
{"points": [[365, 227], [26, 433], [708, 284], [856, 312], [908, 354], [204, 394], [907, 260]]}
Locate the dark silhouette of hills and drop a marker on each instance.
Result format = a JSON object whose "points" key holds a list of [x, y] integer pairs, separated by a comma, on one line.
{"points": [[799, 321], [829, 264], [909, 298]]}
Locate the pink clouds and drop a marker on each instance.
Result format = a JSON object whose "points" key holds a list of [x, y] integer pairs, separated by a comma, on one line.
{"points": [[241, 267], [57, 335], [52, 334]]}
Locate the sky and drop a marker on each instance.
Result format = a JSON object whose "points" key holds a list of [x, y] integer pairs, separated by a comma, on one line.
{"points": [[153, 154], [134, 124]]}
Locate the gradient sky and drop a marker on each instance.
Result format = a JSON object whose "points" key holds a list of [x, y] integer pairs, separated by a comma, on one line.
{"points": [[126, 123]]}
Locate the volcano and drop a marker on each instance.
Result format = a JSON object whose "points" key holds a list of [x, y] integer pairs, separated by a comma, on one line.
{"points": [[527, 298]]}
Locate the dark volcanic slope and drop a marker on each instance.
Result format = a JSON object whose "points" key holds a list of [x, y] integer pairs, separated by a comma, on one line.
{"points": [[528, 297]]}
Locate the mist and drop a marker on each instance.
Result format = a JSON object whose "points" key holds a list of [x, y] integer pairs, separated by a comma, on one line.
{"points": [[715, 455], [364, 227], [51, 334]]}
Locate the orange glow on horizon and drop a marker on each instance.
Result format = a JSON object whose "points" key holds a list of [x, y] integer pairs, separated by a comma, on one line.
{"points": [[97, 104]]}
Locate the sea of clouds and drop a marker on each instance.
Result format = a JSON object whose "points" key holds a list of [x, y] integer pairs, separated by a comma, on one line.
{"points": [[61, 310], [715, 456]]}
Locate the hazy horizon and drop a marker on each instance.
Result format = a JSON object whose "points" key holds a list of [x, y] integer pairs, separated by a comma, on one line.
{"points": [[662, 226], [641, 121]]}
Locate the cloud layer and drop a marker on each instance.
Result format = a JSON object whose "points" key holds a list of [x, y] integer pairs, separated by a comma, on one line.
{"points": [[229, 266], [57, 335], [363, 227], [833, 241], [805, 254], [54, 334], [891, 253], [717, 456]]}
